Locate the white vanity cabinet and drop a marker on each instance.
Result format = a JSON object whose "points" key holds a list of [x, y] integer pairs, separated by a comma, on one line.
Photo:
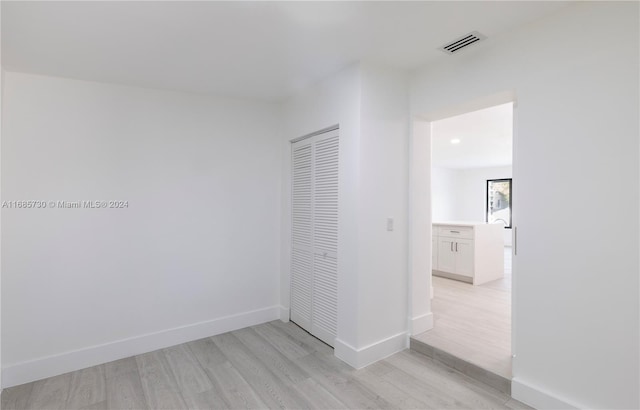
{"points": [[468, 251]]}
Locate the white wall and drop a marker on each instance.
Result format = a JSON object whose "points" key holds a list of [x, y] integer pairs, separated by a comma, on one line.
{"points": [[336, 100], [383, 193], [370, 104], [420, 227], [195, 253], [443, 194], [576, 302], [1, 197]]}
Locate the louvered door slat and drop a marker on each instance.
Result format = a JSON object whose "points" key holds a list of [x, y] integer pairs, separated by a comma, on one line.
{"points": [[314, 232], [301, 235], [302, 197], [301, 287], [325, 295], [325, 237], [325, 193]]}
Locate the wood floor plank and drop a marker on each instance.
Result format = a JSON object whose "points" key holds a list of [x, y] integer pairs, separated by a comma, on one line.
{"points": [[15, 398], [398, 398], [308, 342], [206, 400], [158, 383], [447, 381], [227, 381], [335, 377], [190, 376], [267, 385], [122, 366], [50, 393], [124, 389], [102, 405], [379, 368], [319, 397], [278, 363], [487, 377], [413, 387], [285, 343], [88, 387], [207, 353]]}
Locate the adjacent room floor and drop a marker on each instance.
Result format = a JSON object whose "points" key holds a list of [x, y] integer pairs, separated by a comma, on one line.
{"points": [[274, 365], [473, 323]]}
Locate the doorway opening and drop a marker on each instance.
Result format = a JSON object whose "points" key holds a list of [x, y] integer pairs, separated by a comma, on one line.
{"points": [[471, 243]]}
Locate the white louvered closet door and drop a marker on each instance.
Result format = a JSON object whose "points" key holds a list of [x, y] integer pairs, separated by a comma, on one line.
{"points": [[314, 267], [301, 234]]}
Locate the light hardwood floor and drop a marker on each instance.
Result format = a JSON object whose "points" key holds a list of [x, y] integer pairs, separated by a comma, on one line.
{"points": [[274, 365], [473, 323]]}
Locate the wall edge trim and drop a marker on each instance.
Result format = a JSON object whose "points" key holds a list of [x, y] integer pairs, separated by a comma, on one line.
{"points": [[366, 355], [539, 398]]}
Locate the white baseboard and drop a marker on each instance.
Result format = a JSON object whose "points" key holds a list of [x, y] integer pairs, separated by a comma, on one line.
{"points": [[284, 313], [48, 366], [422, 323], [538, 398], [359, 358]]}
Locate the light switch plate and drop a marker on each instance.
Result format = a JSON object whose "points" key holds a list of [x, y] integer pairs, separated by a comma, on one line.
{"points": [[389, 224]]}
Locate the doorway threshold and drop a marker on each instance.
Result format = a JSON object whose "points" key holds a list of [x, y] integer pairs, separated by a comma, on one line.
{"points": [[492, 378]]}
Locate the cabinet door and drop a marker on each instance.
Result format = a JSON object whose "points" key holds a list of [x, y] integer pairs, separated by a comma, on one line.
{"points": [[446, 255], [464, 257]]}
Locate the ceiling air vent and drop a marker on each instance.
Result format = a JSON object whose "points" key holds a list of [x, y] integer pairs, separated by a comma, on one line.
{"points": [[462, 42]]}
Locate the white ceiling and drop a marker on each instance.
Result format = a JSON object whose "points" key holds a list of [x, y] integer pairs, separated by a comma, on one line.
{"points": [[258, 50], [485, 139]]}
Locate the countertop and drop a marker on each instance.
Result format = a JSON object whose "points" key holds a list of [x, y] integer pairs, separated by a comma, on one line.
{"points": [[461, 223]]}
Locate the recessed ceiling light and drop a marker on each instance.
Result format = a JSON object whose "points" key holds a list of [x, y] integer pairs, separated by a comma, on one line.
{"points": [[455, 141]]}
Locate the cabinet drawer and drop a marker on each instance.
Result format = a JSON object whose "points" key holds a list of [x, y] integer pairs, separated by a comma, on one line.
{"points": [[456, 231]]}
